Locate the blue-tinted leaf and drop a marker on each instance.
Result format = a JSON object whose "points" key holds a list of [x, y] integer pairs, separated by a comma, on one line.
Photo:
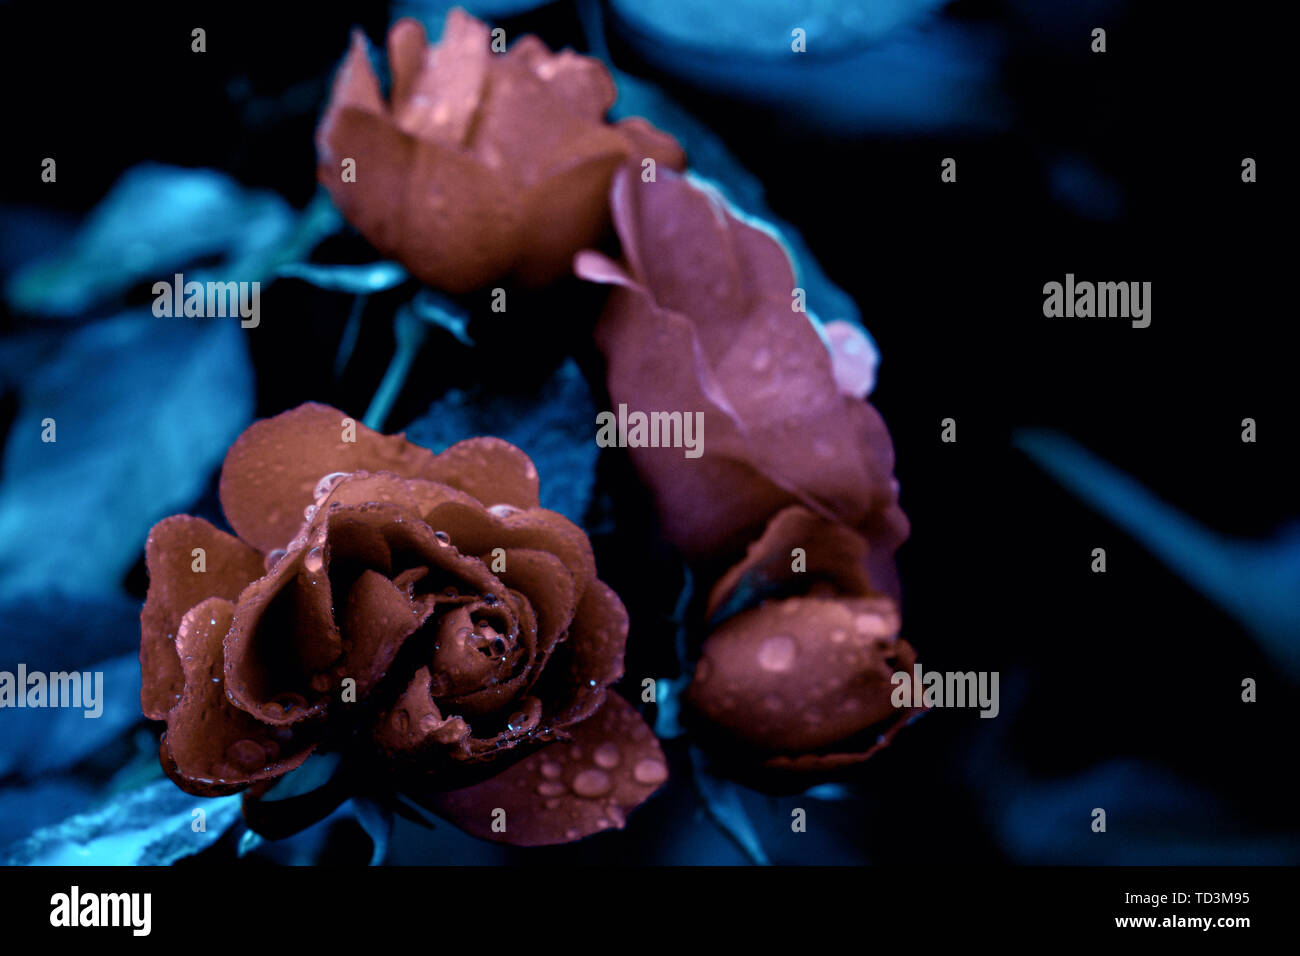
{"points": [[144, 409], [319, 843], [722, 799], [868, 65], [440, 310], [358, 279], [154, 220], [37, 740], [553, 425], [153, 826], [1255, 582]]}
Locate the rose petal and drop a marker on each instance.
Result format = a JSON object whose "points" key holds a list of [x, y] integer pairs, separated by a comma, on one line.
{"points": [[377, 618], [475, 531], [832, 553], [650, 142], [414, 725], [283, 634], [270, 473], [405, 43], [441, 100], [853, 358], [491, 469], [452, 221], [174, 588], [799, 675], [591, 660], [566, 790], [211, 747]]}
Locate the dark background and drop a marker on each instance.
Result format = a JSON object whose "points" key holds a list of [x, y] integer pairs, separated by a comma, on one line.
{"points": [[1119, 690]]}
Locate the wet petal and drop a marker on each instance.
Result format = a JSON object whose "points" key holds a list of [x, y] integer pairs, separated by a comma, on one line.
{"points": [[174, 588], [271, 471], [832, 553], [567, 790], [799, 675], [491, 469], [440, 99], [212, 747]]}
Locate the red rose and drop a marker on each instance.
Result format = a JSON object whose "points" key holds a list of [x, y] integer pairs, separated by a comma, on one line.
{"points": [[797, 676], [702, 318], [418, 609], [481, 165]]}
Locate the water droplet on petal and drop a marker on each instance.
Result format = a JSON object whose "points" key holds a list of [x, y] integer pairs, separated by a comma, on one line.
{"points": [[592, 783], [776, 653], [606, 755], [246, 754], [650, 772], [443, 537], [314, 561], [550, 788], [503, 511], [328, 483], [551, 769]]}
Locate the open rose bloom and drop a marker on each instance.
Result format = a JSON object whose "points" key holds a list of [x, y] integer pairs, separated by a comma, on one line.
{"points": [[419, 613], [480, 165]]}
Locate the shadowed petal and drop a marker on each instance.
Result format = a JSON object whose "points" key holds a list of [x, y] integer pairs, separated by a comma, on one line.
{"points": [[211, 747], [568, 789], [174, 588], [833, 554], [799, 675]]}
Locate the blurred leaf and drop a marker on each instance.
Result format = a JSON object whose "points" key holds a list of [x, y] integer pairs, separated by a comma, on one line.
{"points": [[553, 425], [38, 740], [156, 219], [358, 279], [1258, 583], [441, 310], [144, 409], [326, 841], [881, 66], [722, 799], [148, 827]]}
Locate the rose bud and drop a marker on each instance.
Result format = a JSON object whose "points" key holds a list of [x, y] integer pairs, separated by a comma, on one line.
{"points": [[702, 318], [480, 165], [796, 677], [418, 613]]}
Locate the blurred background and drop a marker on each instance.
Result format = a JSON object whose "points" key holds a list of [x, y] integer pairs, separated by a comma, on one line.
{"points": [[1119, 690]]}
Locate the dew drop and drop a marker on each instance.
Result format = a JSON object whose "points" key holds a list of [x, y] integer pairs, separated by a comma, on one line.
{"points": [[776, 653], [328, 483], [650, 772], [551, 769], [592, 783], [550, 788], [606, 755], [314, 561], [443, 537], [309, 512], [247, 754], [503, 511]]}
